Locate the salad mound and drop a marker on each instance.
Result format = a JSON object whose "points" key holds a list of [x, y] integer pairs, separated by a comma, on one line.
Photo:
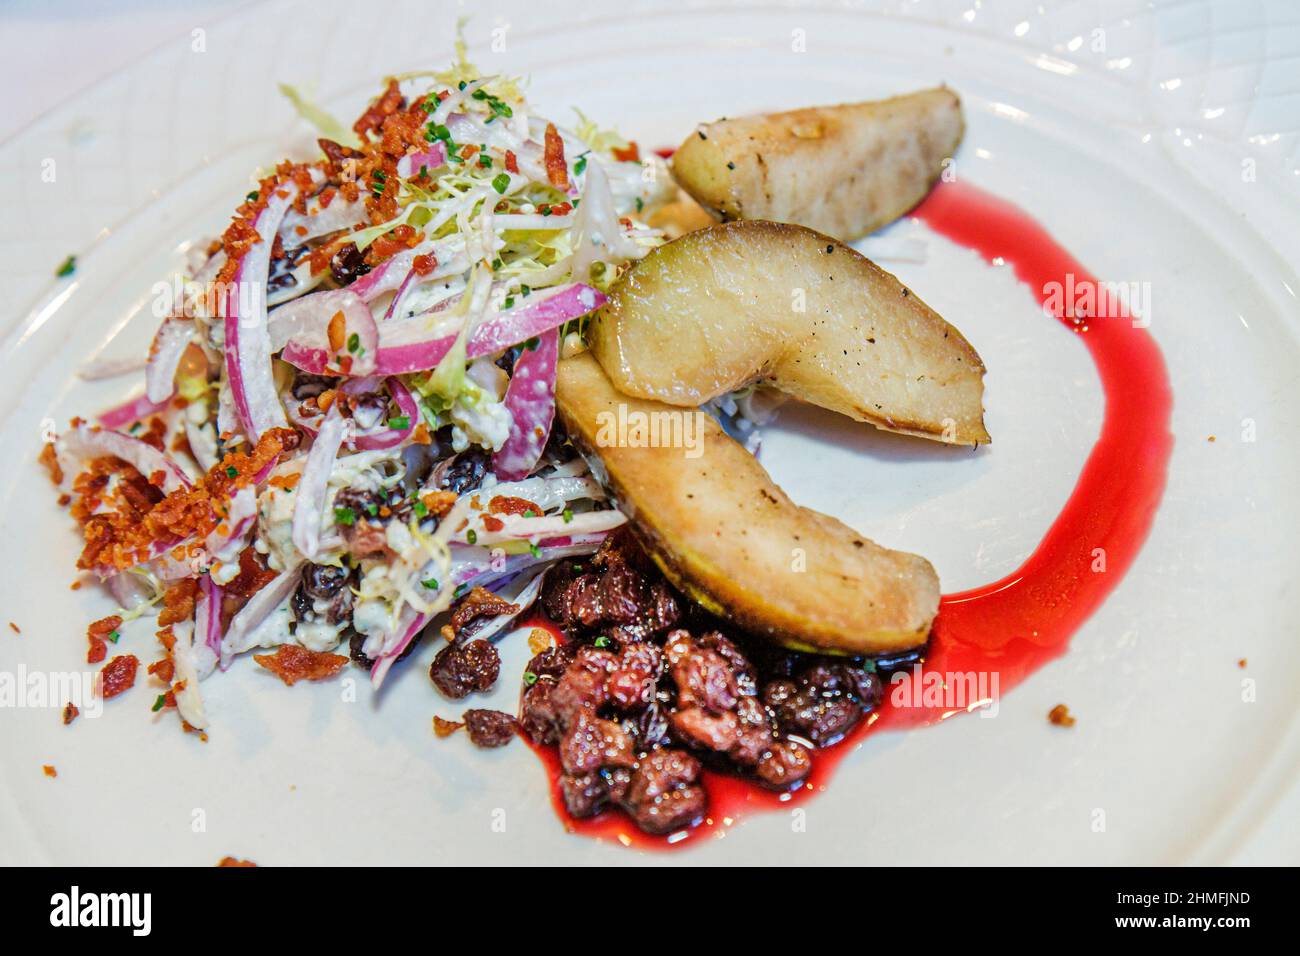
{"points": [[347, 416]]}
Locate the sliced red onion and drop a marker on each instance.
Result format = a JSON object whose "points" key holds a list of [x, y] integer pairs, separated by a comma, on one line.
{"points": [[202, 446], [339, 214], [432, 158], [392, 437], [259, 607], [248, 344], [207, 615], [495, 334], [129, 590], [410, 624], [530, 399], [185, 656], [388, 275], [91, 441], [135, 410], [303, 327], [588, 522], [522, 601], [99, 369], [309, 506], [169, 344], [226, 542]]}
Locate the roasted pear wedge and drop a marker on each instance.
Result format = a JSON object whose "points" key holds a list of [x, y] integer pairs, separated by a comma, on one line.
{"points": [[781, 305], [842, 170], [731, 540]]}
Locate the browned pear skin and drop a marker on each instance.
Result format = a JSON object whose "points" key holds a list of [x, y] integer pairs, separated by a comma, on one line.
{"points": [[843, 170], [731, 540], [784, 306]]}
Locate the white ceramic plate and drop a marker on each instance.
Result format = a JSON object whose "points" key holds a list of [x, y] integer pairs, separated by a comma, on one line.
{"points": [[1187, 760]]}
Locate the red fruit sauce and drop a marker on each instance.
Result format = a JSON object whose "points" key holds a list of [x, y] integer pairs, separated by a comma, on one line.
{"points": [[1015, 625]]}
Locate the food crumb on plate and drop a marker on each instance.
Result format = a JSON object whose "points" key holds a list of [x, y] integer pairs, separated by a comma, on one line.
{"points": [[445, 728], [1242, 663], [539, 640], [15, 628], [1060, 716], [232, 861], [50, 771], [70, 713]]}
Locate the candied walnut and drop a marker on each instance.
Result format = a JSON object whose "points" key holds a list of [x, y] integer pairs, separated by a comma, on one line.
{"points": [[785, 765], [663, 794], [703, 676], [118, 675], [591, 743], [489, 728], [459, 670], [618, 591], [585, 794], [582, 687], [477, 604], [292, 663], [538, 717], [1060, 716], [633, 682]]}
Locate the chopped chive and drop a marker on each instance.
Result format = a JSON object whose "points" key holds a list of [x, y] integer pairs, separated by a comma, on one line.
{"points": [[431, 584], [602, 641], [232, 471], [420, 510], [69, 266], [114, 636], [530, 678], [471, 536], [532, 344], [399, 422], [252, 197], [510, 300], [372, 510], [580, 165], [485, 160], [530, 513], [354, 342], [501, 182], [160, 703], [135, 429], [640, 204], [344, 516], [534, 550], [568, 515]]}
